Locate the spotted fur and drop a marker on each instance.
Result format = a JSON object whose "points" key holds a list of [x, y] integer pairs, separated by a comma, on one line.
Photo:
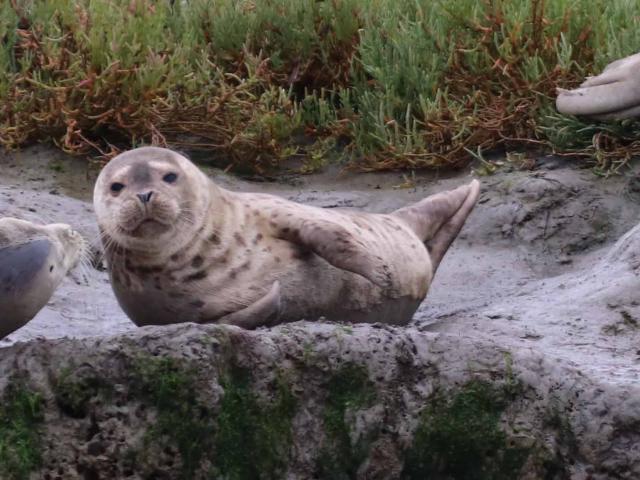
{"points": [[199, 253]]}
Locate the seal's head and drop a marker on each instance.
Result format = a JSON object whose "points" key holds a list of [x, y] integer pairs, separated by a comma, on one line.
{"points": [[33, 261], [148, 196]]}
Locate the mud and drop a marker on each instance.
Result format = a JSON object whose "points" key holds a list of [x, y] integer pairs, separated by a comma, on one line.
{"points": [[536, 267]]}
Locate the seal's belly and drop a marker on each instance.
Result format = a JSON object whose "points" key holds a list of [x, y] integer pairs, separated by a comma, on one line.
{"points": [[213, 284], [210, 286]]}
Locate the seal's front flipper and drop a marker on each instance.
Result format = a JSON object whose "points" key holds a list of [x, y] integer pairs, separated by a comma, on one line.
{"points": [[438, 219], [339, 247], [263, 312]]}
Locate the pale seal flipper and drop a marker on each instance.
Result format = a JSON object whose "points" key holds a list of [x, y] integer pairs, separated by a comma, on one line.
{"points": [[614, 94], [33, 261], [438, 219], [336, 244], [263, 312]]}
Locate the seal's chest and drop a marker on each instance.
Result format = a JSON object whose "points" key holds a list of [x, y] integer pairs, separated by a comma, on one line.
{"points": [[161, 297]]}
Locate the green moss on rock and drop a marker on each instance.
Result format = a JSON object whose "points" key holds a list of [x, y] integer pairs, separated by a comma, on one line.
{"points": [[21, 417], [253, 439], [460, 438], [74, 391], [182, 422], [348, 390], [556, 464]]}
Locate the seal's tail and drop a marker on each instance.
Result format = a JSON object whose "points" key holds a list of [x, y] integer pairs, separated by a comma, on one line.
{"points": [[438, 219]]}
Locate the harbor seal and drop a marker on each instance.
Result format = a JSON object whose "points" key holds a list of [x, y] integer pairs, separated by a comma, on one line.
{"points": [[33, 261], [180, 248], [612, 95]]}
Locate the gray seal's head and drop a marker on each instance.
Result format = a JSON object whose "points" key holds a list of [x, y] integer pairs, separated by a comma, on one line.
{"points": [[148, 198], [33, 261]]}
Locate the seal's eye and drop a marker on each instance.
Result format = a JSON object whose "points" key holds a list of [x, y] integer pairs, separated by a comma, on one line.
{"points": [[170, 177], [116, 187]]}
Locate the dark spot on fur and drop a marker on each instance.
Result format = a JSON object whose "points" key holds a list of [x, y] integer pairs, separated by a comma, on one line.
{"points": [[143, 271], [285, 230], [273, 224], [221, 258], [245, 265], [196, 276], [51, 268], [257, 238], [300, 253], [197, 303], [239, 239], [175, 257], [277, 259], [197, 261], [214, 238], [233, 274]]}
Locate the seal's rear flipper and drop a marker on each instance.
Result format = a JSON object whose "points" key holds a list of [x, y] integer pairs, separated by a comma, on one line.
{"points": [[263, 312], [438, 219], [614, 94]]}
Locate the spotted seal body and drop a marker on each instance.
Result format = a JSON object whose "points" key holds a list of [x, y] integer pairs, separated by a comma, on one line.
{"points": [[33, 261], [182, 249]]}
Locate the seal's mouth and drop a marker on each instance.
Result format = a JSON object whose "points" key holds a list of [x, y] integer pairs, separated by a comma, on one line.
{"points": [[148, 227]]}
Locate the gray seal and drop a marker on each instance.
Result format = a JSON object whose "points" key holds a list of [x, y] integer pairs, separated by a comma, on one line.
{"points": [[179, 248], [33, 261]]}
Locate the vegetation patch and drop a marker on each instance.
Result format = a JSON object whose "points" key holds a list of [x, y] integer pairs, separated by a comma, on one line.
{"points": [[253, 439], [74, 391], [382, 83], [183, 422], [244, 437], [459, 437], [21, 417], [348, 391]]}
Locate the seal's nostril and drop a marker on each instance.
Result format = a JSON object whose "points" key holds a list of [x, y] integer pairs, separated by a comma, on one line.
{"points": [[145, 197]]}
